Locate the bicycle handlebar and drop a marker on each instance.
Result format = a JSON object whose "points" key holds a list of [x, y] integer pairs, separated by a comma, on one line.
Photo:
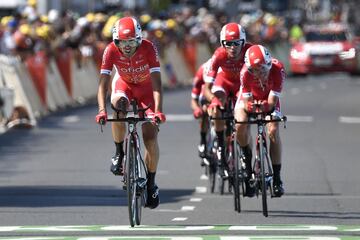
{"points": [[263, 120]]}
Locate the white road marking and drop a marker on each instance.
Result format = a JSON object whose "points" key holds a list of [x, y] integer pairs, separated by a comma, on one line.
{"points": [[195, 199], [179, 219], [204, 177], [344, 119], [293, 118], [71, 119], [187, 208], [179, 117], [200, 189]]}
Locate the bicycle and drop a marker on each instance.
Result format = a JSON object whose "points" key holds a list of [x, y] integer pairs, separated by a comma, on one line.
{"points": [[233, 168], [208, 161], [135, 175], [262, 172]]}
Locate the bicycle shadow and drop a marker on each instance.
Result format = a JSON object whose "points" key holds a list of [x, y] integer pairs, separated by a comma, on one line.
{"points": [[70, 196]]}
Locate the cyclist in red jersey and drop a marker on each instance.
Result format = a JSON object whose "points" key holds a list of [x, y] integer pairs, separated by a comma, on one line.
{"points": [[137, 77], [199, 106], [262, 80], [222, 79]]}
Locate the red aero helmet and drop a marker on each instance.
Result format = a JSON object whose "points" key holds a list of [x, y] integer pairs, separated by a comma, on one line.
{"points": [[232, 32], [257, 56], [127, 28]]}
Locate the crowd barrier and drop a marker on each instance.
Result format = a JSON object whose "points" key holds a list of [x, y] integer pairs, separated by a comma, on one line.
{"points": [[42, 85]]}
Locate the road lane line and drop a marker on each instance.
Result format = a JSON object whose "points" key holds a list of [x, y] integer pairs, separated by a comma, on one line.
{"points": [[195, 199], [204, 177], [200, 189], [294, 118], [179, 219], [187, 208], [344, 119]]}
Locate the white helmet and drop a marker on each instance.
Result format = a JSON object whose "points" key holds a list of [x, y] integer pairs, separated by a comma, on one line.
{"points": [[127, 28], [232, 32], [257, 56]]}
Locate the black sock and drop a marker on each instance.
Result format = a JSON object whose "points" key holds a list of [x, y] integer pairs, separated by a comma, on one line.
{"points": [[202, 137], [220, 137], [119, 148], [248, 156], [151, 179], [276, 169]]}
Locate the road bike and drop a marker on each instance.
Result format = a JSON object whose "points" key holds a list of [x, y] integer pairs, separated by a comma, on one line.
{"points": [[262, 173], [232, 168], [135, 175], [208, 160]]}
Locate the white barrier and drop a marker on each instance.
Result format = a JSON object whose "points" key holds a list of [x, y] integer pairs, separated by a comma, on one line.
{"points": [[7, 95], [180, 68], [84, 80], [56, 86], [17, 77]]}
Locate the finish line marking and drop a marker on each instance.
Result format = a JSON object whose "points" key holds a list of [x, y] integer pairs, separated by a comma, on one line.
{"points": [[217, 237], [97, 228]]}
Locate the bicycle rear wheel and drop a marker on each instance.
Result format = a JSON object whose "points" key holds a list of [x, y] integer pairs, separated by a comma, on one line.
{"points": [[263, 176], [134, 200], [237, 179]]}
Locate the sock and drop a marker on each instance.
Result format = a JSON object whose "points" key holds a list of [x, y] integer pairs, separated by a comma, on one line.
{"points": [[203, 138], [151, 179], [276, 169], [119, 148], [248, 156], [220, 137]]}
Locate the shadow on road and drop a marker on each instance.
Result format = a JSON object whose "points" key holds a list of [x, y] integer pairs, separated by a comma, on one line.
{"points": [[63, 196]]}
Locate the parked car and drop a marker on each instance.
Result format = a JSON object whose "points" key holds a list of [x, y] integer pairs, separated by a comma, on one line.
{"points": [[324, 48]]}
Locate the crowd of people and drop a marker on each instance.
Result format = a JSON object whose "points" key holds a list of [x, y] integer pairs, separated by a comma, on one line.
{"points": [[27, 31]]}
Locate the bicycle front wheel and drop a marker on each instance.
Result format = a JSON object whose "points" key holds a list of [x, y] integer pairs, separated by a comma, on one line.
{"points": [[263, 176], [237, 172], [134, 201]]}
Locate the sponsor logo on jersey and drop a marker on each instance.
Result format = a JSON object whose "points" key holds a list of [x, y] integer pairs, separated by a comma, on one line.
{"points": [[135, 70]]}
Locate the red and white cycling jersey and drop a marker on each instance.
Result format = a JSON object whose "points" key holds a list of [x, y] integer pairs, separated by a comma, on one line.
{"points": [[134, 70], [198, 83], [252, 87], [224, 71], [132, 79]]}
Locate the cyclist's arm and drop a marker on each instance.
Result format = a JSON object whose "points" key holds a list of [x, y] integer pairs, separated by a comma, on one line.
{"points": [[157, 90], [207, 91], [272, 100], [102, 90], [195, 103]]}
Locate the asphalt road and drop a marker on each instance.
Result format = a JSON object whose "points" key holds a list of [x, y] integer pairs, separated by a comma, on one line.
{"points": [[58, 175]]}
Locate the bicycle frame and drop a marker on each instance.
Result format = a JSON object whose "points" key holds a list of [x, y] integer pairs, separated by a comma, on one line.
{"points": [[262, 168], [135, 175], [234, 170]]}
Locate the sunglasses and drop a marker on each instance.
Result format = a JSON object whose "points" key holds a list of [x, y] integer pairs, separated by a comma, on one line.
{"points": [[125, 43], [232, 43]]}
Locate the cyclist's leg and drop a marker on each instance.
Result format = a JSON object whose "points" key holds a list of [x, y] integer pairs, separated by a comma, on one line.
{"points": [[150, 133], [275, 155], [243, 137], [219, 125], [151, 156], [119, 101], [204, 128]]}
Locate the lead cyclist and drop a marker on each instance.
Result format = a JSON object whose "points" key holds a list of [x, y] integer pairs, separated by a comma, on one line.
{"points": [[138, 77]]}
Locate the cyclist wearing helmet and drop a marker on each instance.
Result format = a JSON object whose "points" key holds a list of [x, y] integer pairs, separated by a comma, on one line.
{"points": [[262, 80], [199, 106], [223, 77], [137, 77]]}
